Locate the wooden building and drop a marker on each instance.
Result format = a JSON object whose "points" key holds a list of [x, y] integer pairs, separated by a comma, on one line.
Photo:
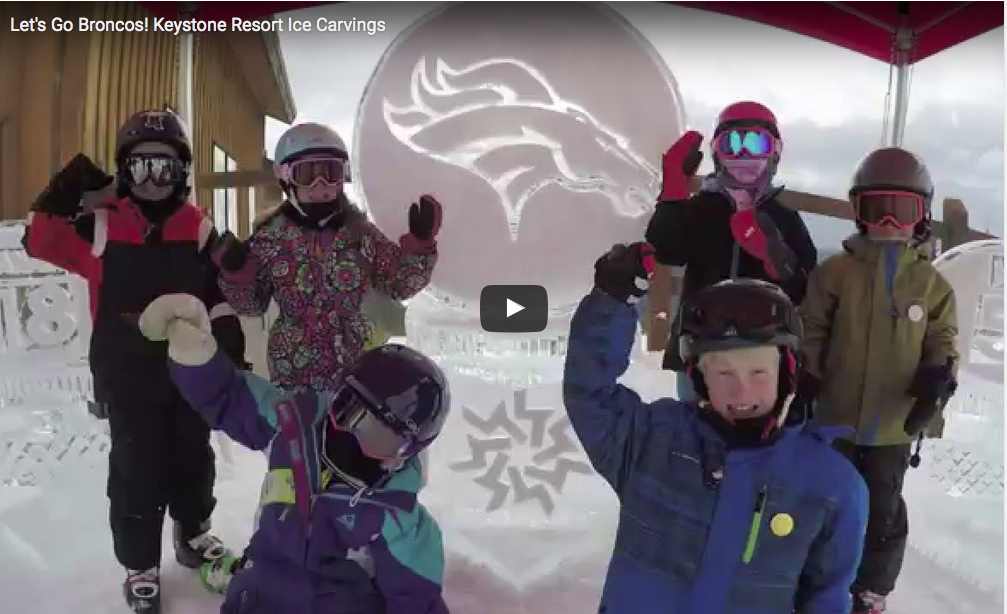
{"points": [[64, 92]]}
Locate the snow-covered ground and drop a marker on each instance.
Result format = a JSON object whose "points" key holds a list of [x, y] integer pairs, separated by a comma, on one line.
{"points": [[55, 548]]}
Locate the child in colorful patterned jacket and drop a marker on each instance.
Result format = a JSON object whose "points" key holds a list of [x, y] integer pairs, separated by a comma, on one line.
{"points": [[318, 256], [341, 529]]}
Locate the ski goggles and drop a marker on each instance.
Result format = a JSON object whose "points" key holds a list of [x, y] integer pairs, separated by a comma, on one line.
{"points": [[898, 209], [351, 412], [305, 172], [160, 170], [753, 142], [736, 312]]}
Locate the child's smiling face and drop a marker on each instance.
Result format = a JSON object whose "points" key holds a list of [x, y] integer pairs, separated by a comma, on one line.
{"points": [[742, 383]]}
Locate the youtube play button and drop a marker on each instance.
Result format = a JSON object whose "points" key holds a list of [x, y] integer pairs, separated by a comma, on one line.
{"points": [[513, 309]]}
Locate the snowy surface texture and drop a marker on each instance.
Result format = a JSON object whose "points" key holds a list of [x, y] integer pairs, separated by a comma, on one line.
{"points": [[515, 548], [526, 521]]}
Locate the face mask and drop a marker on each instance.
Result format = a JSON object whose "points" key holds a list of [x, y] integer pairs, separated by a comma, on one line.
{"points": [[343, 451], [745, 172]]}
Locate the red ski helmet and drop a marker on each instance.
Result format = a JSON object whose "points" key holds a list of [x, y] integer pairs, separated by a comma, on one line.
{"points": [[747, 112]]}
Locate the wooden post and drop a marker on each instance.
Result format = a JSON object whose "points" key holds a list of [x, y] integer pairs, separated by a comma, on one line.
{"points": [[956, 223], [665, 288]]}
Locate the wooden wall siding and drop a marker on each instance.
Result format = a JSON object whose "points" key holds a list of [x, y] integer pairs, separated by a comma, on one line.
{"points": [[61, 93], [227, 115], [41, 74], [128, 72]]}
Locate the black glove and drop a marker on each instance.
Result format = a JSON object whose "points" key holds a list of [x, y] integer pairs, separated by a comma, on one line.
{"points": [[932, 386], [808, 389], [623, 273], [425, 218], [230, 253], [230, 339], [62, 197], [99, 410]]}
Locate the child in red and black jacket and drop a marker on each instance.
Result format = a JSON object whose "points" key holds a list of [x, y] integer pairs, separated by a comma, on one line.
{"points": [[134, 237]]}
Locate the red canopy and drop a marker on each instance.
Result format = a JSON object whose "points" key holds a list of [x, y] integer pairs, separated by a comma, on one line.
{"points": [[864, 27], [869, 27]]}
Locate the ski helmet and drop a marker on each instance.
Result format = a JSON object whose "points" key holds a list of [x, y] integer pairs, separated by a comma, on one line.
{"points": [[395, 401], [157, 126], [893, 168], [308, 138], [738, 116], [746, 113], [736, 314]]}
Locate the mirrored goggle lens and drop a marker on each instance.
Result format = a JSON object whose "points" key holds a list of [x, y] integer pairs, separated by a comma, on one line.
{"points": [[899, 208], [160, 170], [755, 142], [303, 173], [751, 315], [352, 414]]}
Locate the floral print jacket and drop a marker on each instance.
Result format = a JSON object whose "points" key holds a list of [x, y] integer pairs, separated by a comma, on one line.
{"points": [[319, 277]]}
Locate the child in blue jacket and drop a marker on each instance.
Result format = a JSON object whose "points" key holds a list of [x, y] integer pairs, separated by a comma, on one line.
{"points": [[340, 529], [729, 504]]}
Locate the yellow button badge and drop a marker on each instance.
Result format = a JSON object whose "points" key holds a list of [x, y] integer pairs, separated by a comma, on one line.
{"points": [[782, 525]]}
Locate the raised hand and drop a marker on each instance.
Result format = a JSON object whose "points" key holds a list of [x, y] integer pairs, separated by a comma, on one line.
{"points": [[624, 271], [182, 321], [424, 224], [425, 218], [680, 164]]}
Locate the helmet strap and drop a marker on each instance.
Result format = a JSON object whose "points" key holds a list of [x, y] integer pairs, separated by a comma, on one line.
{"points": [[770, 423], [291, 193]]}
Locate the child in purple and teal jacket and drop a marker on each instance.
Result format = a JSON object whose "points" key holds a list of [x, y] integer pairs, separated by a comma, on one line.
{"points": [[340, 528]]}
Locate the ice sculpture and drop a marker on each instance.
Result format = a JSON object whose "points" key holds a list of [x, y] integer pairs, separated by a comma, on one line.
{"points": [[44, 379], [541, 131], [955, 497]]}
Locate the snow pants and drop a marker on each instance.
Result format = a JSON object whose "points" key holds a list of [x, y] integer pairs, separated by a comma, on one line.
{"points": [[161, 460], [884, 470]]}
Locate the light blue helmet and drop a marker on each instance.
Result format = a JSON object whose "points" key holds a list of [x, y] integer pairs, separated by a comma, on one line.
{"points": [[308, 138]]}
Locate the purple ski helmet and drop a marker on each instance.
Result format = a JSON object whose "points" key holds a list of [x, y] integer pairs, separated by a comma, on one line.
{"points": [[404, 390]]}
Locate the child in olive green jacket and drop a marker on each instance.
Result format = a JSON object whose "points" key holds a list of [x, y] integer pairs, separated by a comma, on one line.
{"points": [[880, 337]]}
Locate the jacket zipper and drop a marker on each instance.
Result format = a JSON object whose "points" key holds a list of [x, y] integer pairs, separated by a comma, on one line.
{"points": [[753, 532]]}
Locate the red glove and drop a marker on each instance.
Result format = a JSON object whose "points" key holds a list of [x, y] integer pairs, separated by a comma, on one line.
{"points": [[680, 164], [756, 233]]}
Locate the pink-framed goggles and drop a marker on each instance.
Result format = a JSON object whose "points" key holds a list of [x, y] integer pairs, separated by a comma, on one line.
{"points": [[351, 412], [304, 172], [892, 207], [753, 142]]}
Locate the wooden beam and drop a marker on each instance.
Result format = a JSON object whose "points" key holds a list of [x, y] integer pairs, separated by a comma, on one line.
{"points": [[666, 282], [237, 179]]}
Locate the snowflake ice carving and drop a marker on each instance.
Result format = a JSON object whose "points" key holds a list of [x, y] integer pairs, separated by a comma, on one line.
{"points": [[550, 461]]}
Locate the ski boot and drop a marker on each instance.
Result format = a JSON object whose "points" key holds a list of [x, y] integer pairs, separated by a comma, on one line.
{"points": [[216, 575], [867, 602], [194, 552], [142, 590]]}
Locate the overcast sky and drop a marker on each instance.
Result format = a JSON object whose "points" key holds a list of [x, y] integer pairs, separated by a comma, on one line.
{"points": [[829, 101]]}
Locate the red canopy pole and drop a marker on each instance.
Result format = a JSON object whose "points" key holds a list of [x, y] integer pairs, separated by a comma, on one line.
{"points": [[186, 61], [905, 43]]}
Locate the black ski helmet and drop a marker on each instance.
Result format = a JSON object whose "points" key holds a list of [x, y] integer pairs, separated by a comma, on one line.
{"points": [[741, 313], [153, 125], [894, 168]]}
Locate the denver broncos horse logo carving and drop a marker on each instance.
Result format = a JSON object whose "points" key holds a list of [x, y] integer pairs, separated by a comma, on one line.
{"points": [[541, 132], [532, 136]]}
